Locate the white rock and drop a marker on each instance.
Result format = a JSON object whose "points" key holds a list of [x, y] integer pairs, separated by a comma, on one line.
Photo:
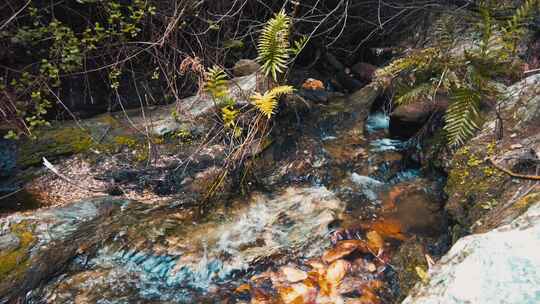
{"points": [[501, 266]]}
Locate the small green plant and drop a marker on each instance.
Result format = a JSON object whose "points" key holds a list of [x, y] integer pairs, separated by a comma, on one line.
{"points": [[274, 45], [467, 78], [274, 48], [267, 103], [216, 83]]}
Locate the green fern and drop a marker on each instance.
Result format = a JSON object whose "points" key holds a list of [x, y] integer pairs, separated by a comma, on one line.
{"points": [[412, 94], [267, 103], [515, 26], [273, 47], [445, 32], [462, 116], [299, 45], [216, 82]]}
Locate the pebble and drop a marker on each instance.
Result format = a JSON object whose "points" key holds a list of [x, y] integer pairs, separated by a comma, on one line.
{"points": [[516, 146]]}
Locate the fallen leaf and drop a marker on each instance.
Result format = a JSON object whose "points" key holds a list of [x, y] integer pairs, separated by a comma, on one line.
{"points": [[243, 288], [337, 271], [516, 146], [351, 284], [375, 241], [293, 274], [422, 274], [258, 296], [371, 267], [297, 294], [315, 264], [343, 249], [388, 228]]}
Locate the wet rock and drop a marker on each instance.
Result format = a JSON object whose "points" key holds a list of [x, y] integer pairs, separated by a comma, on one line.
{"points": [[193, 259], [8, 242], [409, 255], [49, 240], [364, 71], [245, 67], [418, 212], [365, 97], [8, 157], [406, 120], [500, 266], [317, 96]]}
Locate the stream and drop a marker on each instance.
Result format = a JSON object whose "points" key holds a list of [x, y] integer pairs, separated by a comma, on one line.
{"points": [[280, 242]]}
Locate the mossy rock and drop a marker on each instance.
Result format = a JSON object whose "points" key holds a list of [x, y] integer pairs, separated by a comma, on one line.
{"points": [[52, 143], [472, 183], [406, 261], [14, 261]]}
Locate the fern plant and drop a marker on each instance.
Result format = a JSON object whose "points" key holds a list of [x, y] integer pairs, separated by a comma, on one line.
{"points": [[515, 26], [267, 103], [467, 78], [463, 116], [216, 83], [273, 47]]}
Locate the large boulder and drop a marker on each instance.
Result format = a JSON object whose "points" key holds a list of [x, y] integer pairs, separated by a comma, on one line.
{"points": [[35, 246], [406, 120], [364, 71], [501, 266]]}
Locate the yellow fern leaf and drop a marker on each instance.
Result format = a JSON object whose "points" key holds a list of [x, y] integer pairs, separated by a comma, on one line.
{"points": [[267, 103]]}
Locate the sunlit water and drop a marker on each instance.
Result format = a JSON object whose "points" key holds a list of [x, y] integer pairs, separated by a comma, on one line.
{"points": [[290, 224]]}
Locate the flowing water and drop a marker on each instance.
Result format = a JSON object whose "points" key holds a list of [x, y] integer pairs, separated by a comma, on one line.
{"points": [[205, 261]]}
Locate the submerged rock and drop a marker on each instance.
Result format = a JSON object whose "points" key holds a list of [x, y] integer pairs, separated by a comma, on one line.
{"points": [[36, 246], [501, 266]]}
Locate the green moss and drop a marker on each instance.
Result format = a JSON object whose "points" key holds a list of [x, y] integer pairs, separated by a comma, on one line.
{"points": [[13, 262], [407, 259], [525, 202], [125, 141], [470, 174], [54, 142], [473, 185]]}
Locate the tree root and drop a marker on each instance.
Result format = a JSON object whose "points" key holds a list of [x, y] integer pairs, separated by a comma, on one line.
{"points": [[512, 174]]}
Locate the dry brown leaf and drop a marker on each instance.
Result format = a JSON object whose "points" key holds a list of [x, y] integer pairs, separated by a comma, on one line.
{"points": [[388, 228], [375, 241], [243, 288], [293, 274], [343, 249], [337, 271], [297, 294]]}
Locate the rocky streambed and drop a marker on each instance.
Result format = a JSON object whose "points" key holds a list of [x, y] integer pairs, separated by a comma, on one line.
{"points": [[333, 211], [331, 201]]}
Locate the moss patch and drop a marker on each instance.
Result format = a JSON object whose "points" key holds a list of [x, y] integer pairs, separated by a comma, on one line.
{"points": [[473, 184], [53, 142], [14, 262], [409, 257]]}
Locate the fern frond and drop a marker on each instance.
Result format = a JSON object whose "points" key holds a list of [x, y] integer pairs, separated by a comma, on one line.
{"points": [[445, 32], [415, 93], [281, 90], [514, 27], [216, 82], [299, 45], [415, 61], [268, 102], [462, 116], [273, 47]]}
